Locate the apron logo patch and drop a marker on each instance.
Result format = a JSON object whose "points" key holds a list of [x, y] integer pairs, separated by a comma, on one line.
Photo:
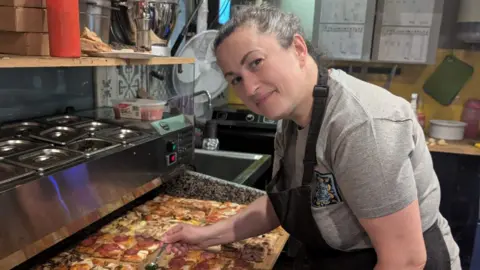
{"points": [[325, 190]]}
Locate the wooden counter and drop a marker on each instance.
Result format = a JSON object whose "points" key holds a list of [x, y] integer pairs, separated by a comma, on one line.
{"points": [[13, 61], [271, 260], [465, 147]]}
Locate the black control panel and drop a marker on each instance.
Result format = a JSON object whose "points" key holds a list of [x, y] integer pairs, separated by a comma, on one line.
{"points": [[179, 146]]}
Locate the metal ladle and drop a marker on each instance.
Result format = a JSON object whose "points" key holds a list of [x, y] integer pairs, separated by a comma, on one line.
{"points": [[154, 265]]}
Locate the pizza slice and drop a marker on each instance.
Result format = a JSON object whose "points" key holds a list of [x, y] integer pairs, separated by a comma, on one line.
{"points": [[240, 264], [88, 245], [125, 241], [162, 198], [146, 209], [91, 263], [116, 227], [149, 244], [135, 255], [186, 261], [267, 240], [195, 204], [220, 214], [109, 251], [186, 214], [61, 262], [254, 249]]}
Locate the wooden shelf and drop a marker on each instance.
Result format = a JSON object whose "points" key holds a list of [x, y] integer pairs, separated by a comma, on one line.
{"points": [[13, 61], [465, 147]]}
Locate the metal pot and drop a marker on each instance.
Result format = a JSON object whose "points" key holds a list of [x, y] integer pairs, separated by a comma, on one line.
{"points": [[96, 14], [157, 16]]}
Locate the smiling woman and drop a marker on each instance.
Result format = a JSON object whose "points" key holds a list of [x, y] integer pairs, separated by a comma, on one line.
{"points": [[353, 179], [269, 56]]}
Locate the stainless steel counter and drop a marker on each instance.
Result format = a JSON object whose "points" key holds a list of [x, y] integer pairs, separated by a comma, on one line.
{"points": [[240, 168]]}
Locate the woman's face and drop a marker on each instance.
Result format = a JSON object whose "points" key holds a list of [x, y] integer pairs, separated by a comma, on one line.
{"points": [[266, 77]]}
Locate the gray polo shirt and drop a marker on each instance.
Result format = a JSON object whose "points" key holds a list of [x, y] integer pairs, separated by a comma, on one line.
{"points": [[372, 161]]}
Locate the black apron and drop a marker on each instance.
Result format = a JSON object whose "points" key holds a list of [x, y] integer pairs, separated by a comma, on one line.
{"points": [[293, 209]]}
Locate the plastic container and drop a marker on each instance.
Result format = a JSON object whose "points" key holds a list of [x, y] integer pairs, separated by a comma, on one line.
{"points": [[64, 28], [447, 130], [471, 116], [140, 109]]}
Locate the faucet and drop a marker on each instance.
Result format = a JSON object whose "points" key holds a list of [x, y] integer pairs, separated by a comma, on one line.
{"points": [[209, 97], [157, 75]]}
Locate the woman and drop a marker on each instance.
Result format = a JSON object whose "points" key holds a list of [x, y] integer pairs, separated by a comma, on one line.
{"points": [[354, 180]]}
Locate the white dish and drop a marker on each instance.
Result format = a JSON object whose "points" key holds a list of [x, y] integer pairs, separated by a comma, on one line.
{"points": [[447, 129]]}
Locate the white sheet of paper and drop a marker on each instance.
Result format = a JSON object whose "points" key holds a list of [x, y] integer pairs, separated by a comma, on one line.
{"points": [[408, 12], [404, 44], [342, 41], [343, 11]]}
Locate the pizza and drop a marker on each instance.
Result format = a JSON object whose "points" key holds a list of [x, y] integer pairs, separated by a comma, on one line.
{"points": [[204, 260], [133, 240]]}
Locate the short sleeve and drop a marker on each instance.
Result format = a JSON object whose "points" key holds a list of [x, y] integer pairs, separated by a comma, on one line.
{"points": [[373, 169]]}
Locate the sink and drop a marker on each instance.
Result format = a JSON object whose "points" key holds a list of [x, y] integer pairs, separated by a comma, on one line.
{"points": [[241, 168]]}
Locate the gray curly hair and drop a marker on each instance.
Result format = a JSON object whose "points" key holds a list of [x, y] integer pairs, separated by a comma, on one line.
{"points": [[268, 19]]}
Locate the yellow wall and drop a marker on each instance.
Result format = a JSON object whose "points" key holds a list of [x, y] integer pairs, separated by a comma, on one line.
{"points": [[413, 77]]}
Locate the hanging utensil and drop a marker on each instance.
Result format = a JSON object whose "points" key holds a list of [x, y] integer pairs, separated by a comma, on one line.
{"points": [[388, 83]]}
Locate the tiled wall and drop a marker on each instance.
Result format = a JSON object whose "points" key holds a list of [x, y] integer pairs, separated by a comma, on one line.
{"points": [[125, 82], [34, 92], [118, 83]]}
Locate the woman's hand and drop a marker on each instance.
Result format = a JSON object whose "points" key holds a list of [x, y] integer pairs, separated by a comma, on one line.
{"points": [[184, 237], [258, 218]]}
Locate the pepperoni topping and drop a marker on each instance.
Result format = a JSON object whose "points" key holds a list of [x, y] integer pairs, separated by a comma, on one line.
{"points": [[110, 247], [148, 243], [207, 255], [145, 242], [177, 262], [132, 251], [88, 242], [121, 238]]}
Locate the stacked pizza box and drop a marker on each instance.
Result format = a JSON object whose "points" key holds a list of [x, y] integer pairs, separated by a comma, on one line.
{"points": [[133, 240], [23, 27]]}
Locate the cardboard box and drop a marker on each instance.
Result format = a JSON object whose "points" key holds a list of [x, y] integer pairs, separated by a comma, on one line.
{"points": [[18, 19], [31, 44], [24, 3]]}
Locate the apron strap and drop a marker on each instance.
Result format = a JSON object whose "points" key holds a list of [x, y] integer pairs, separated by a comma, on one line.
{"points": [[320, 95], [277, 183]]}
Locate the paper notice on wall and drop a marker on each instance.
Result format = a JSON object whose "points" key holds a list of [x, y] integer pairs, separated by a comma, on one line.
{"points": [[341, 41], [404, 44], [343, 11], [408, 12]]}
